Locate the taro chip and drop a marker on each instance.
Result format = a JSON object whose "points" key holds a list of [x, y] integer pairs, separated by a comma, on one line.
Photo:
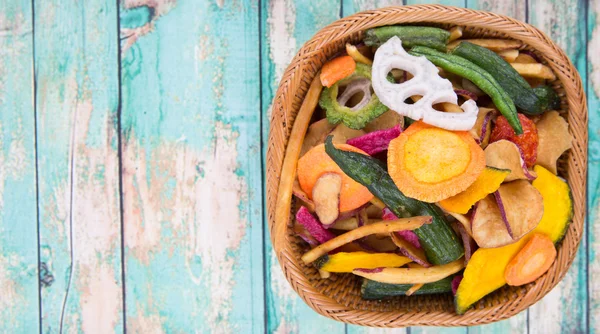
{"points": [[488, 227], [316, 134], [326, 196], [482, 129], [504, 154], [342, 133], [554, 140], [521, 207], [387, 120], [302, 196]]}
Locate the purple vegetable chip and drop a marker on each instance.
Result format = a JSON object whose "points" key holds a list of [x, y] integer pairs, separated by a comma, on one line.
{"points": [[455, 283], [313, 225], [376, 141]]}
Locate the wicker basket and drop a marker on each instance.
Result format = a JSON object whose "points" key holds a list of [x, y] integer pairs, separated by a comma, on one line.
{"points": [[339, 296]]}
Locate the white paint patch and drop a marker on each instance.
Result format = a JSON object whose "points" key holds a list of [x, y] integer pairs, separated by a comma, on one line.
{"points": [[219, 226], [147, 324], [286, 299], [12, 297], [202, 208], [285, 328], [96, 225], [100, 298], [545, 316], [594, 268], [282, 43]]}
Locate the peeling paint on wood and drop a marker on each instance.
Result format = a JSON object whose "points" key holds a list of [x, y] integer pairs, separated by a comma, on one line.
{"points": [[191, 176], [80, 236], [191, 169], [18, 225], [593, 98], [564, 309]]}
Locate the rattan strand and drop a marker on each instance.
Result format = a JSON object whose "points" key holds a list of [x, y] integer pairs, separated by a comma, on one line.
{"points": [[339, 297]]}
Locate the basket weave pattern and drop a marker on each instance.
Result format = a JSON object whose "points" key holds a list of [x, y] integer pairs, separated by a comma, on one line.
{"points": [[339, 296]]}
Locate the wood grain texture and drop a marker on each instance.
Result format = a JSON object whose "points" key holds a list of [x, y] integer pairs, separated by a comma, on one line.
{"points": [[76, 63], [593, 98], [285, 26], [19, 311], [191, 166], [564, 309]]}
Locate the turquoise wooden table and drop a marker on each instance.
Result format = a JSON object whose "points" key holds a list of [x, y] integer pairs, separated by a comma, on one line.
{"points": [[132, 144]]}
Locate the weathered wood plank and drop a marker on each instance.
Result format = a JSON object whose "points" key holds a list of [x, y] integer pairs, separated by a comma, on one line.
{"points": [[285, 26], [191, 166], [76, 61], [19, 303], [513, 8], [564, 309], [593, 98]]}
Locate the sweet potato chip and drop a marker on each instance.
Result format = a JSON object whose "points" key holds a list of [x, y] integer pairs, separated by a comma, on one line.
{"points": [[482, 129], [488, 227], [554, 139], [521, 206], [504, 154]]}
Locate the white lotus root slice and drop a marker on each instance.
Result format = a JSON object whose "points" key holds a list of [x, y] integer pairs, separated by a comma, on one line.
{"points": [[356, 86], [425, 82]]}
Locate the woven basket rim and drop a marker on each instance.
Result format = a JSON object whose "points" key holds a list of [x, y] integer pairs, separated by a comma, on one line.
{"points": [[292, 88]]}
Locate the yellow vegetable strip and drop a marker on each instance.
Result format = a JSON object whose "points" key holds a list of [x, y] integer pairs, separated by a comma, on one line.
{"points": [[378, 203], [384, 226], [509, 55], [356, 55], [292, 153], [455, 33], [414, 289], [490, 43], [346, 262], [534, 71], [413, 275]]}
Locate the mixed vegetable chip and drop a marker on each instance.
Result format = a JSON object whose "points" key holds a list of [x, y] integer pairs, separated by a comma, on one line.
{"points": [[430, 165]]}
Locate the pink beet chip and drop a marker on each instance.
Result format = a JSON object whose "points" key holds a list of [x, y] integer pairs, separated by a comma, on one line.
{"points": [[455, 283], [313, 225], [376, 141], [409, 236]]}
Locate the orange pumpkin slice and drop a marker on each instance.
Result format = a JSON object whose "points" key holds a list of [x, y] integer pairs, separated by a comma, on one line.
{"points": [[316, 162], [431, 164]]}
